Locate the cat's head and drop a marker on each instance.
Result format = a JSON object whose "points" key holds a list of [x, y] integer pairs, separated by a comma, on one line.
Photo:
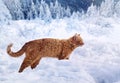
{"points": [[77, 40]]}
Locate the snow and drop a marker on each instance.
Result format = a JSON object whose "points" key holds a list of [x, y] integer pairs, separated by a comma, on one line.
{"points": [[4, 13], [98, 61]]}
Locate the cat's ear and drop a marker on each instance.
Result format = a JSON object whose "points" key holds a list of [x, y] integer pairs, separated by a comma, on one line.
{"points": [[77, 34], [74, 37]]}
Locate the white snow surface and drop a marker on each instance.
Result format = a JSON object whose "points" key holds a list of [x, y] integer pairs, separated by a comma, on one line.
{"points": [[98, 61]]}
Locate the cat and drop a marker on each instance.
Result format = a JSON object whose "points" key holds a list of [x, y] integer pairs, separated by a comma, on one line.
{"points": [[47, 47]]}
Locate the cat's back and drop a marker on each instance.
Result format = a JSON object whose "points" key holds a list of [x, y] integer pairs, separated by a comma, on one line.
{"points": [[51, 43]]}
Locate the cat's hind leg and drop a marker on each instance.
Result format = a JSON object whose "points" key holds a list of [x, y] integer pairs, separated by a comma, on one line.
{"points": [[35, 63]]}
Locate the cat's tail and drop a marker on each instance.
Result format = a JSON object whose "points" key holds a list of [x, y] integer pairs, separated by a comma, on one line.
{"points": [[15, 54]]}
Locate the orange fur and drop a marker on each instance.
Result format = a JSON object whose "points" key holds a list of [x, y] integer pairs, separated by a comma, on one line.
{"points": [[46, 47]]}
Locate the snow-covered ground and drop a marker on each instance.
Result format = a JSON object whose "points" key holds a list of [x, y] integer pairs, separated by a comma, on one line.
{"points": [[98, 61]]}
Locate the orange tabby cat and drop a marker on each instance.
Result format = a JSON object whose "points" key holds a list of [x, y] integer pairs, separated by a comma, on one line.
{"points": [[46, 47]]}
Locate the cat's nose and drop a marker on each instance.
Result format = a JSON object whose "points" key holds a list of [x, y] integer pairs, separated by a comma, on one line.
{"points": [[82, 43]]}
